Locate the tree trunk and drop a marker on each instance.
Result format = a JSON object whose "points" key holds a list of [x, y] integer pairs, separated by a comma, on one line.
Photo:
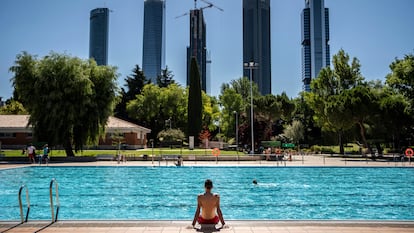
{"points": [[341, 144], [363, 137], [68, 148]]}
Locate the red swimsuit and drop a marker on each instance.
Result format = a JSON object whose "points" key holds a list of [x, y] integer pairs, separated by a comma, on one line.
{"points": [[201, 220]]}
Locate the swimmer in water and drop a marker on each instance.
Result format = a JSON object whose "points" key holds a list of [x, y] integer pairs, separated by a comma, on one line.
{"points": [[254, 181]]}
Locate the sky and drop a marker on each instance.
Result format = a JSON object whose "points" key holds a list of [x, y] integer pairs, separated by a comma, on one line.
{"points": [[375, 31]]}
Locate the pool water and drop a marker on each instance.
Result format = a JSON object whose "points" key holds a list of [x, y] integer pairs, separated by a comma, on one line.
{"points": [[282, 193]]}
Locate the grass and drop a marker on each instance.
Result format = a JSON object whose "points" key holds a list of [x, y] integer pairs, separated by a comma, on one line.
{"points": [[140, 152]]}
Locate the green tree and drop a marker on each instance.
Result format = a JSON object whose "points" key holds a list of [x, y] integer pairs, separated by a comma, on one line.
{"points": [[267, 110], [172, 136], [166, 78], [295, 132], [326, 98], [194, 102], [13, 107], [242, 87], [394, 116], [232, 104], [304, 113], [155, 105], [69, 100], [239, 88], [402, 76], [361, 102], [211, 112], [134, 84]]}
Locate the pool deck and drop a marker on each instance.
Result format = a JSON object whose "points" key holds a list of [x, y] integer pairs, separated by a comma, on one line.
{"points": [[297, 161], [232, 226]]}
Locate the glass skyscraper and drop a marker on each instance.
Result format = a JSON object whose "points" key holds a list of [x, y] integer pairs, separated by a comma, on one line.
{"points": [[198, 46], [256, 42], [98, 35], [315, 40], [153, 51]]}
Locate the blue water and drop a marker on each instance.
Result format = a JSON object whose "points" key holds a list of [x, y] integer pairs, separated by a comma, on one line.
{"points": [[170, 192]]}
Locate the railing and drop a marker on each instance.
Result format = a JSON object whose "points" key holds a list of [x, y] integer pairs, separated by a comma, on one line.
{"points": [[54, 217], [21, 205]]}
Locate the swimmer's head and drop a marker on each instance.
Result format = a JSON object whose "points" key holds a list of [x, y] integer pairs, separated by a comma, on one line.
{"points": [[254, 181], [208, 184]]}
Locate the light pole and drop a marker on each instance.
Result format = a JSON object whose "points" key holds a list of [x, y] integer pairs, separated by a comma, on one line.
{"points": [[251, 65], [237, 134], [217, 123]]}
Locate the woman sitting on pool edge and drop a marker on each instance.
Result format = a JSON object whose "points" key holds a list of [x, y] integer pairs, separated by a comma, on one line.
{"points": [[209, 204]]}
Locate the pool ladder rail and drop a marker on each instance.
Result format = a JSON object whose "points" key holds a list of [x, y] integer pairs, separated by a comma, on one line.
{"points": [[24, 219], [52, 209]]}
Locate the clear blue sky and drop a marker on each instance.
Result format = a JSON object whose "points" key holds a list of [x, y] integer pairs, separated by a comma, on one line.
{"points": [[374, 31]]}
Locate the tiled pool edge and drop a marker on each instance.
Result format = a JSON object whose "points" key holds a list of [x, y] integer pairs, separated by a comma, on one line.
{"points": [[182, 223]]}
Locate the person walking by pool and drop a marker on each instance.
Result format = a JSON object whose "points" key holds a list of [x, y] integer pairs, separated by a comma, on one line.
{"points": [[208, 204], [31, 150], [46, 153]]}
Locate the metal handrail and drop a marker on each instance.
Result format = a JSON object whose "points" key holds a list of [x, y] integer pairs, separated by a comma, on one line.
{"points": [[21, 205], [54, 218]]}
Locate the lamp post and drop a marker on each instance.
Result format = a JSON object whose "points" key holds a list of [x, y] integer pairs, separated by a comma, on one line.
{"points": [[251, 65], [237, 134]]}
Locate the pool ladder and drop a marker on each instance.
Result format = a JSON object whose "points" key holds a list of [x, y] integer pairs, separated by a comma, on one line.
{"points": [[52, 209], [54, 217], [22, 219]]}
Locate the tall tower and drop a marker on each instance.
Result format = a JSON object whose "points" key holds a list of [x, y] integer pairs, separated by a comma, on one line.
{"points": [[198, 46], [98, 35], [153, 49], [256, 42], [315, 40]]}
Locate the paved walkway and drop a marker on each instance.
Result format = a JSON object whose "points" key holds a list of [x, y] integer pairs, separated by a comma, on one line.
{"points": [[307, 160], [233, 226]]}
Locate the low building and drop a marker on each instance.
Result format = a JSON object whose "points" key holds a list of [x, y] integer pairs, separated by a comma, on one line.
{"points": [[15, 132]]}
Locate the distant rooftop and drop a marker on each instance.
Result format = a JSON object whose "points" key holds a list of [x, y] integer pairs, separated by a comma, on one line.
{"points": [[19, 123]]}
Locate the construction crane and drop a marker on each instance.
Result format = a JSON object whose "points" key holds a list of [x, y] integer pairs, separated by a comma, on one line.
{"points": [[209, 5]]}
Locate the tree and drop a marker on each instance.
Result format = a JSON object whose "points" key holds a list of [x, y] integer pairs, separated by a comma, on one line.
{"points": [[235, 97], [326, 98], [134, 84], [211, 111], [12, 107], [401, 77], [166, 78], [394, 116], [361, 102], [304, 113], [172, 136], [295, 132], [155, 105], [231, 102], [194, 101], [267, 110], [69, 100]]}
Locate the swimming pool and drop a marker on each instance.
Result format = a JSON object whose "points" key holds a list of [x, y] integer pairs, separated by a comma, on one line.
{"points": [[120, 193]]}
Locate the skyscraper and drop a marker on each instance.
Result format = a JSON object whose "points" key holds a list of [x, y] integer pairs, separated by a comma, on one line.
{"points": [[315, 40], [256, 42], [98, 35], [153, 49], [198, 47]]}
